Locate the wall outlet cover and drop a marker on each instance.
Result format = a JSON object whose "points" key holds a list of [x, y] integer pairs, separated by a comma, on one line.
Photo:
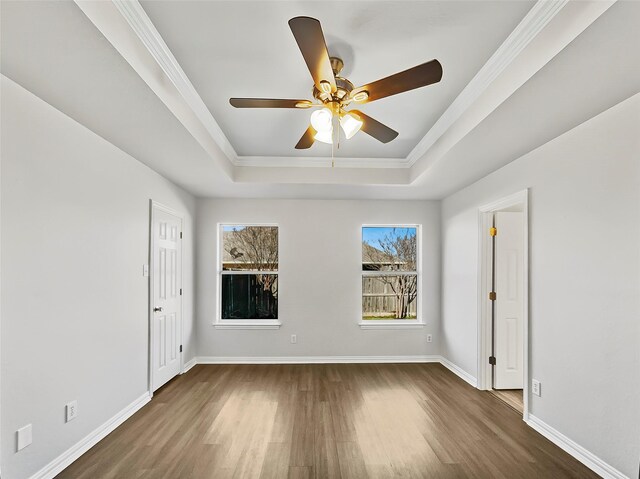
{"points": [[429, 338], [72, 410], [536, 387]]}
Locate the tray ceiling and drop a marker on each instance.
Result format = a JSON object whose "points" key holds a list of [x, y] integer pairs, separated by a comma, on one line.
{"points": [[123, 75], [246, 49]]}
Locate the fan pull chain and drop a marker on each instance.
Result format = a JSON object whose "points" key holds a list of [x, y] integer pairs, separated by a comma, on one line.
{"points": [[333, 163]]}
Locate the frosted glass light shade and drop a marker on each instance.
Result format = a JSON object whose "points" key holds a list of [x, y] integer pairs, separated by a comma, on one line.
{"points": [[325, 136], [321, 119], [350, 124]]}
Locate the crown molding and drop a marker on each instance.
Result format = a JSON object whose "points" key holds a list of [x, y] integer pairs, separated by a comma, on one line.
{"points": [[530, 26], [320, 162], [142, 26]]}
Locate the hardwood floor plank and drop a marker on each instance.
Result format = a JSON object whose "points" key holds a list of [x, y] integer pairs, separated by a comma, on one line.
{"points": [[276, 463], [298, 472], [325, 454], [351, 462], [302, 442], [351, 421]]}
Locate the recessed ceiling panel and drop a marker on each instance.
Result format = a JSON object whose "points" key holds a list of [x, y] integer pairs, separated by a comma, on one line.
{"points": [[246, 49]]}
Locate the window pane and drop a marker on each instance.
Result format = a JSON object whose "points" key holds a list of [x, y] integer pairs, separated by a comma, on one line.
{"points": [[249, 296], [253, 248], [389, 248], [389, 297]]}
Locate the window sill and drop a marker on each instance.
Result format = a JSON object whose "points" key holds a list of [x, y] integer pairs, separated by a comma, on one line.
{"points": [[394, 324], [247, 324]]}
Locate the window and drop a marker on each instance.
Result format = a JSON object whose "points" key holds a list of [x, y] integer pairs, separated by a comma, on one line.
{"points": [[390, 274], [248, 274]]}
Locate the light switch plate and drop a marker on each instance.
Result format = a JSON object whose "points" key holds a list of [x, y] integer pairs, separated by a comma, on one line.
{"points": [[145, 270], [25, 436]]}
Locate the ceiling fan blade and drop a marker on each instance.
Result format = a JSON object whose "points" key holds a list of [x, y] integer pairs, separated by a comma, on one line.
{"points": [[416, 77], [269, 103], [307, 139], [308, 33], [379, 131]]}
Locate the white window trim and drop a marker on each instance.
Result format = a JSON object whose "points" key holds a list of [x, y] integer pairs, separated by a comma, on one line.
{"points": [[381, 324], [220, 323]]}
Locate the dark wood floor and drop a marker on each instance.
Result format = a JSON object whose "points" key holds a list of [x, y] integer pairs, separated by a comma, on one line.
{"points": [[303, 421], [513, 398]]}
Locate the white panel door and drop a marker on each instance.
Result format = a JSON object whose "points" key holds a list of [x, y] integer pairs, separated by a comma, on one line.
{"points": [[509, 303], [166, 304]]}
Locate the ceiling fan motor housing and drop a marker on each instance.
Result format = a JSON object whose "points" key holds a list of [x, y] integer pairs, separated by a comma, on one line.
{"points": [[343, 86]]}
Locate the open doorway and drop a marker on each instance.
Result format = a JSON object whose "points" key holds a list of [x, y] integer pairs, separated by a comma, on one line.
{"points": [[503, 318]]}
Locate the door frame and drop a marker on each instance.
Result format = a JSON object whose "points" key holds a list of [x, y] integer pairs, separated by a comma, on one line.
{"points": [[153, 207], [485, 212]]}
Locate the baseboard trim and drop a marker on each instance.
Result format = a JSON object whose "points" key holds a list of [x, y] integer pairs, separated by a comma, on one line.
{"points": [[587, 458], [189, 364], [61, 462], [458, 371], [316, 359]]}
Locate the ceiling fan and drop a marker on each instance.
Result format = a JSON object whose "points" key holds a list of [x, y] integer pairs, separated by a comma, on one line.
{"points": [[334, 94]]}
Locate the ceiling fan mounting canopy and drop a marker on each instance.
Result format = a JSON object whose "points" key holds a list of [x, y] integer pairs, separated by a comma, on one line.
{"points": [[335, 93]]}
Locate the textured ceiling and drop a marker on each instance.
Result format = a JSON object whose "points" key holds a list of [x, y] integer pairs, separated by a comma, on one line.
{"points": [[246, 49]]}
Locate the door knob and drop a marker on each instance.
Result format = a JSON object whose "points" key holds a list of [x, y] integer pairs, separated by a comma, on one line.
{"points": [[157, 310]]}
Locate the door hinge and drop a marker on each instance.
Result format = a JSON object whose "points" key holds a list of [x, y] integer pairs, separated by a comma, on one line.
{"points": [[492, 360], [180, 291], [492, 296], [180, 234], [493, 231], [181, 348]]}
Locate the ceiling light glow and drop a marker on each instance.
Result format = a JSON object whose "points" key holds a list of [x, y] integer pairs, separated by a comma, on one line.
{"points": [[325, 136], [351, 124], [321, 119]]}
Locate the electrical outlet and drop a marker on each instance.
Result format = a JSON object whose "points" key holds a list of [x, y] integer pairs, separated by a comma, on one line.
{"points": [[294, 338], [72, 410], [429, 338], [536, 387], [25, 436]]}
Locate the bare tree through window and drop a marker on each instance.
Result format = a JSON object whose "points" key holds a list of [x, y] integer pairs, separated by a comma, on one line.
{"points": [[390, 278]]}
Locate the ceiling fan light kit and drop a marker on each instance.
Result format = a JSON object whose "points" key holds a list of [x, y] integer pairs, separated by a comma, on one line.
{"points": [[321, 119], [325, 136], [351, 124], [334, 94]]}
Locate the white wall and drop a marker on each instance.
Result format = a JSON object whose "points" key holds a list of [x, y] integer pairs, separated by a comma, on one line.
{"points": [[75, 234], [584, 279], [319, 278]]}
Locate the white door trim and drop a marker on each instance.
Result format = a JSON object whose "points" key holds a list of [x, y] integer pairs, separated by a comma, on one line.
{"points": [[153, 207], [485, 212]]}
